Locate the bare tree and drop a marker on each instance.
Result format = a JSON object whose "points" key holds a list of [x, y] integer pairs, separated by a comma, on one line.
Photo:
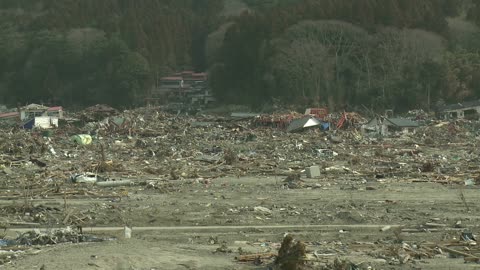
{"points": [[398, 51], [313, 54], [305, 67]]}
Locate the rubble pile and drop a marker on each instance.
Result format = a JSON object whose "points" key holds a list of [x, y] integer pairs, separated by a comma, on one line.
{"points": [[147, 143], [295, 254], [103, 156], [26, 243], [53, 237]]}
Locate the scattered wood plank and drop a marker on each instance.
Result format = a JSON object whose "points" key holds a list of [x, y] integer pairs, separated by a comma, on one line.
{"points": [[435, 225], [256, 256], [419, 230], [67, 217], [460, 253], [24, 224], [114, 183]]}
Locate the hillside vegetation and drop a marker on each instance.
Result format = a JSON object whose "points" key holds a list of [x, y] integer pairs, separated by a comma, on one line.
{"points": [[397, 54], [89, 51]]}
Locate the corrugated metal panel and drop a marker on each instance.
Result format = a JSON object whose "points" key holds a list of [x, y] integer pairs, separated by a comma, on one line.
{"points": [[402, 122], [299, 124]]}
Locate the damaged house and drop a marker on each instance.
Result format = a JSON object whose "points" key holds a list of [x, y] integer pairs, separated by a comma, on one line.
{"points": [[34, 116], [386, 126], [464, 110], [39, 116], [187, 88]]}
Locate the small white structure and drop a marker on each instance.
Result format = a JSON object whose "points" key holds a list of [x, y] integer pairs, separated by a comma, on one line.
{"points": [[46, 122], [43, 122], [313, 171], [34, 110]]}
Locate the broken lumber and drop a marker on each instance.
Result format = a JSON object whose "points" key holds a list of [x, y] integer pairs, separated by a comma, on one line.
{"points": [[114, 183], [435, 225], [460, 253], [256, 256], [24, 224]]}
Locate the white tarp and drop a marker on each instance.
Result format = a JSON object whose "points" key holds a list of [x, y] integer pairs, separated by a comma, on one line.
{"points": [[306, 122]]}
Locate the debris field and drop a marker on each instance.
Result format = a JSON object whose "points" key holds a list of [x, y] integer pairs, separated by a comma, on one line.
{"points": [[227, 193]]}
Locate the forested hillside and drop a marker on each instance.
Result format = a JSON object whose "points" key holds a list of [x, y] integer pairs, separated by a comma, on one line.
{"points": [[89, 51], [381, 54], [377, 53]]}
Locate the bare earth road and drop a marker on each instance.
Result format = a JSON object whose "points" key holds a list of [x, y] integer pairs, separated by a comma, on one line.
{"points": [[185, 227]]}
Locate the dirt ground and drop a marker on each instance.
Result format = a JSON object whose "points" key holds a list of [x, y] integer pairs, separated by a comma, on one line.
{"points": [[195, 224]]}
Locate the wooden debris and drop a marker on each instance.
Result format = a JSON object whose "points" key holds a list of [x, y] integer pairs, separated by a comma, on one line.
{"points": [[114, 183], [256, 256], [431, 224], [460, 253], [29, 224]]}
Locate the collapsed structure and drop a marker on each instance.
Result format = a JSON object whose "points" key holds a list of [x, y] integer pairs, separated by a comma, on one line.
{"points": [[146, 167], [468, 109], [34, 116], [182, 90]]}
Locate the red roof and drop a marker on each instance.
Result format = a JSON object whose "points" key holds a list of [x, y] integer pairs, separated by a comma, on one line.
{"points": [[9, 115], [171, 79], [54, 109], [200, 74]]}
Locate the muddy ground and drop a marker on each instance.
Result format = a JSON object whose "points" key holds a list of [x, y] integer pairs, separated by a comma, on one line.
{"points": [[197, 224]]}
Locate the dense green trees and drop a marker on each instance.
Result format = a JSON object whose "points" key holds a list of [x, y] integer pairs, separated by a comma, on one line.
{"points": [[396, 54], [89, 51], [81, 67], [379, 53]]}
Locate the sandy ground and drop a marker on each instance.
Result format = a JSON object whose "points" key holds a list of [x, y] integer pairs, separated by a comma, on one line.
{"points": [[354, 209]]}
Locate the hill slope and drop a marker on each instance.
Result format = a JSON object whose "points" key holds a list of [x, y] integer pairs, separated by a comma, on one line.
{"points": [[340, 53]]}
